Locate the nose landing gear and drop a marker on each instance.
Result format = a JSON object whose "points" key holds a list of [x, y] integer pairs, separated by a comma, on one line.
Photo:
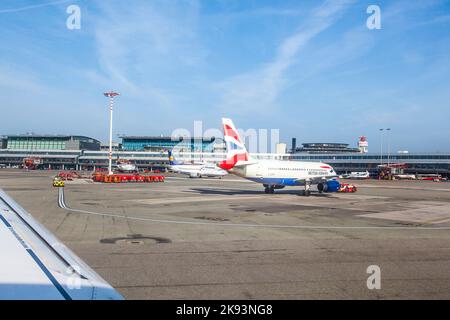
{"points": [[269, 189]]}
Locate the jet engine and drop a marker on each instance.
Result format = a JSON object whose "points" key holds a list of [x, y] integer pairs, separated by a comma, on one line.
{"points": [[195, 175], [329, 186]]}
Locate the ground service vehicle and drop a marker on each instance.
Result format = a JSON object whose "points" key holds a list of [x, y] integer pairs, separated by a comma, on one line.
{"points": [[58, 182], [347, 188]]}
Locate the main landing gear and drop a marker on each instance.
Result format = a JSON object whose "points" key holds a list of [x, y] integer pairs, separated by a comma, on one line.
{"points": [[307, 192], [269, 189]]}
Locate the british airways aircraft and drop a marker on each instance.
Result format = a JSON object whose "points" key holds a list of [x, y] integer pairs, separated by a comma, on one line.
{"points": [[275, 174]]}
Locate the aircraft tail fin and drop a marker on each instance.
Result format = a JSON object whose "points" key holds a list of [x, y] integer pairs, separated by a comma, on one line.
{"points": [[236, 150], [172, 160]]}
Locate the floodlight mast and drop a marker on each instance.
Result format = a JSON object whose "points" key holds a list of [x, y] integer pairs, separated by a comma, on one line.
{"points": [[111, 95]]}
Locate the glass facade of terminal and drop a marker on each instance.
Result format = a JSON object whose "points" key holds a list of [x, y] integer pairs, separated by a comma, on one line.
{"points": [[325, 148], [37, 143], [34, 142], [167, 143]]}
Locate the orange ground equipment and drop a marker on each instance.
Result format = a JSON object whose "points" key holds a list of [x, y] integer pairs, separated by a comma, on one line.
{"points": [[69, 175], [347, 188], [125, 178], [32, 163]]}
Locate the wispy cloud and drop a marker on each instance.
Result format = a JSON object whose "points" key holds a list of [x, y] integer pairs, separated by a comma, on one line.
{"points": [[259, 89], [16, 79], [36, 6], [182, 58], [261, 12], [137, 44], [344, 48]]}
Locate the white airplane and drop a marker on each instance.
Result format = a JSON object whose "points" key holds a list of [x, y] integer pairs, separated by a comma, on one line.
{"points": [[275, 174], [405, 176], [195, 170], [357, 175], [126, 166], [37, 266]]}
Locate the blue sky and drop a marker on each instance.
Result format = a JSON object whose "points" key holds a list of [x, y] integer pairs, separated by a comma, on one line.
{"points": [[309, 68]]}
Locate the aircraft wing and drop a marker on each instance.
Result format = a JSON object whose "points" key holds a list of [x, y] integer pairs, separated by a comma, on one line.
{"points": [[34, 265]]}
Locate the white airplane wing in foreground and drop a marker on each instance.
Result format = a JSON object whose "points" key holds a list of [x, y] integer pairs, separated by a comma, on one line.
{"points": [[34, 265]]}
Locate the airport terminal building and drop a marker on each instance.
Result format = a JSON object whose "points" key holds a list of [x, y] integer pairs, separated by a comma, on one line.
{"points": [[146, 152], [416, 163]]}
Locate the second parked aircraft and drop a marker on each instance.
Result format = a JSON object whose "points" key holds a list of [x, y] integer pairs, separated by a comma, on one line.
{"points": [[195, 170]]}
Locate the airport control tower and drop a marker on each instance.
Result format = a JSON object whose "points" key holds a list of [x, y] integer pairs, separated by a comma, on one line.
{"points": [[363, 144]]}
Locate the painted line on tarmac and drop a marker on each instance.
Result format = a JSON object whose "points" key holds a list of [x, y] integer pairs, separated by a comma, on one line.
{"points": [[60, 202], [63, 205], [402, 187], [195, 199]]}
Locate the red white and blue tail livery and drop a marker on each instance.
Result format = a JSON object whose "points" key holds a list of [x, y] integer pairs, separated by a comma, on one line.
{"points": [[236, 152], [274, 174]]}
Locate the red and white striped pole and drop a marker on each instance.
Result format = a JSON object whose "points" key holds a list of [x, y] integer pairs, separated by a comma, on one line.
{"points": [[111, 95]]}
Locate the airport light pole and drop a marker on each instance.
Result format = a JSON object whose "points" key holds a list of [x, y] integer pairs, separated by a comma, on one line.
{"points": [[111, 95], [381, 146], [388, 130]]}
